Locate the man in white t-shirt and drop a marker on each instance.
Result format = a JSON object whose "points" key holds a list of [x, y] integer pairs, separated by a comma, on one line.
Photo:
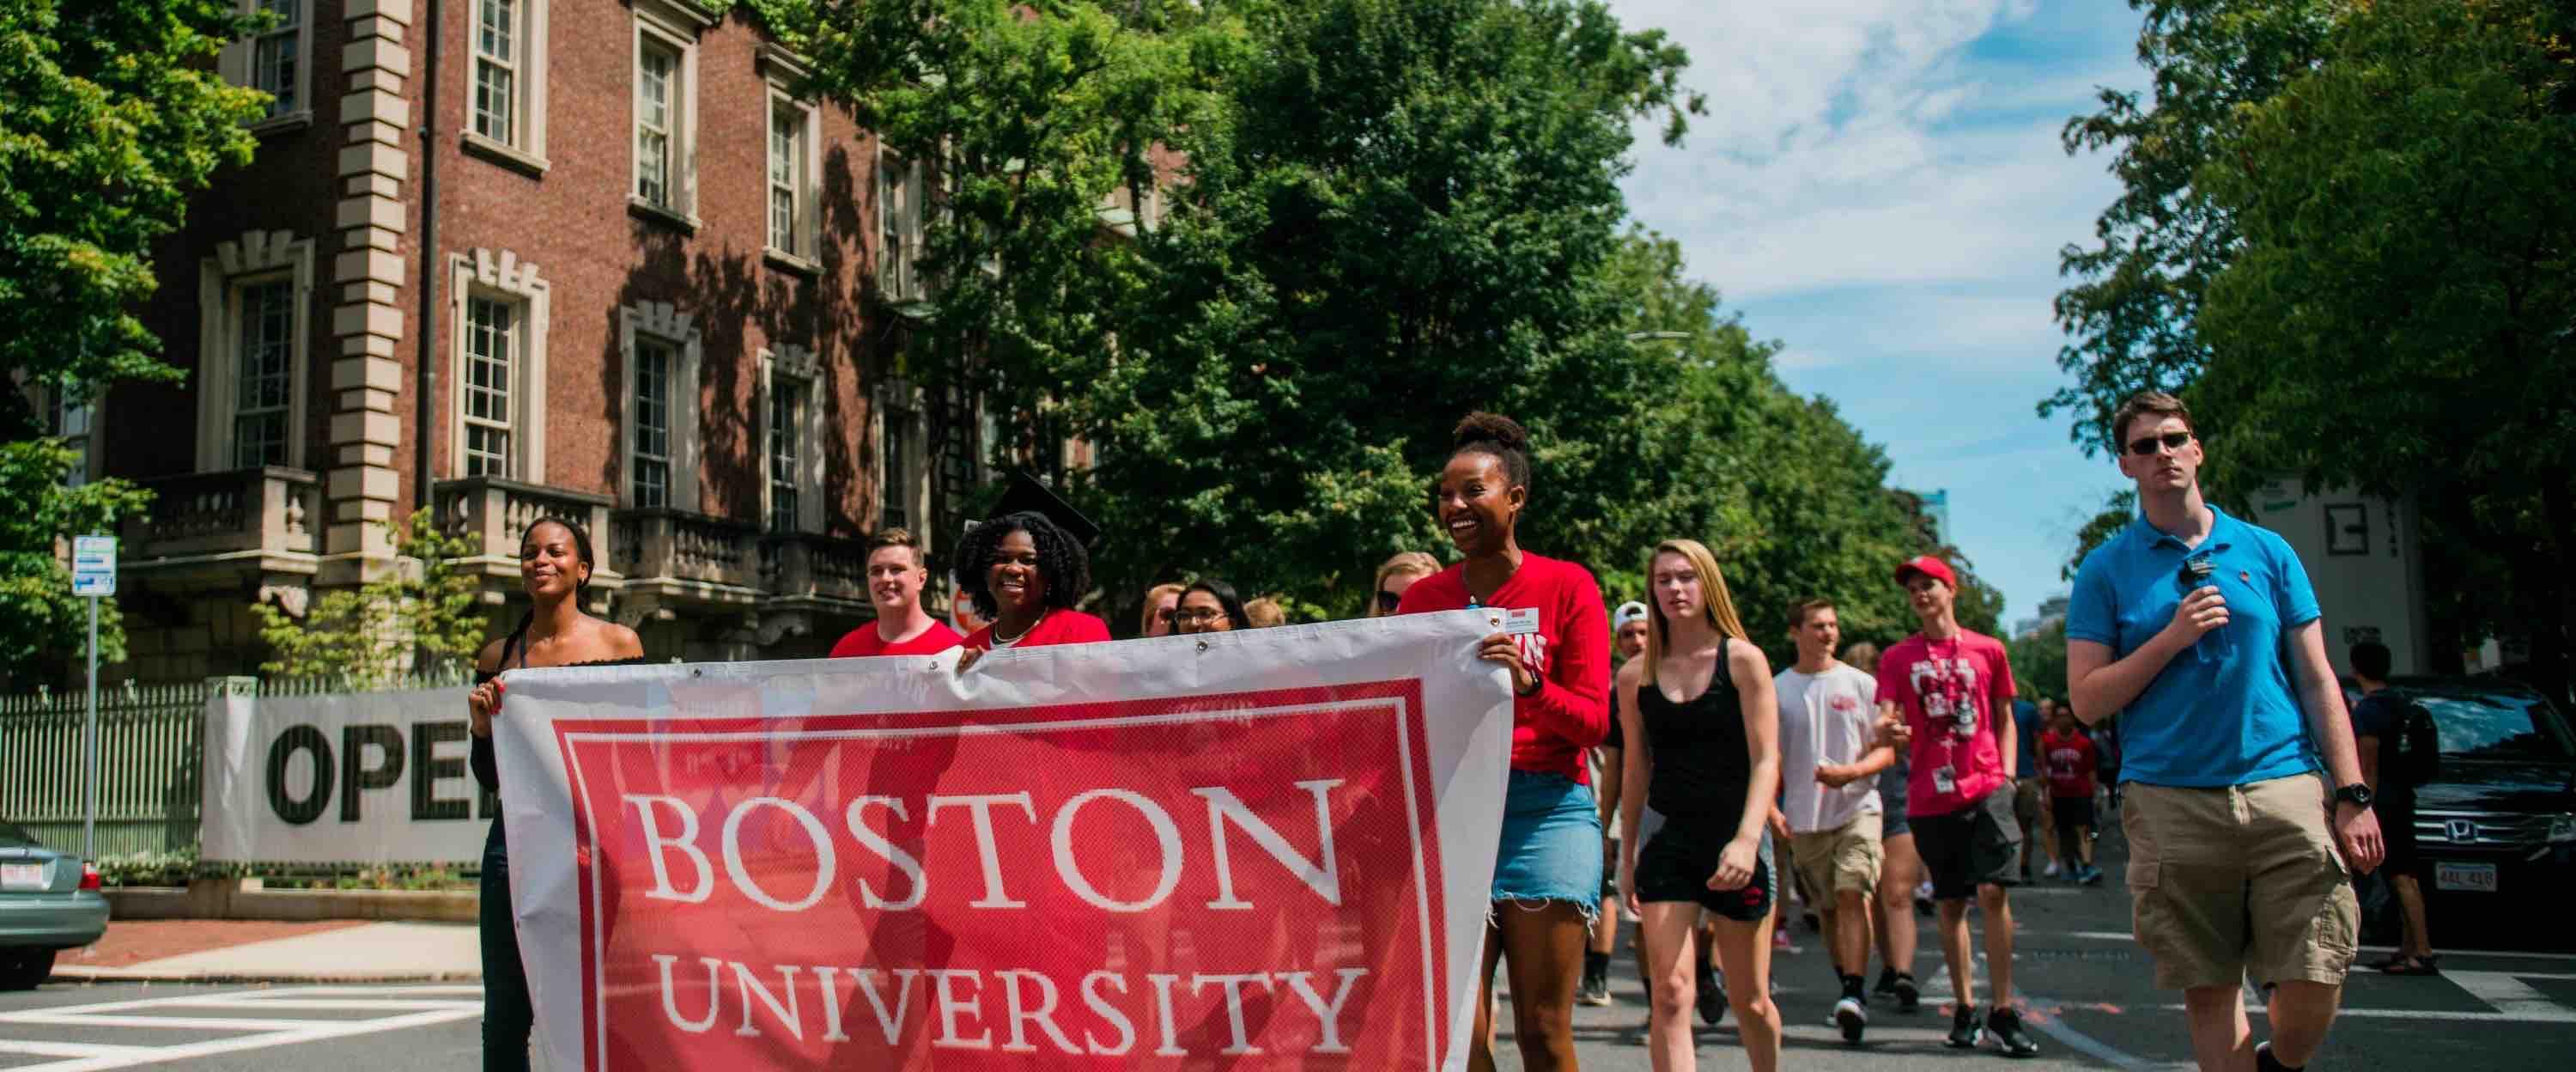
{"points": [[1830, 756]]}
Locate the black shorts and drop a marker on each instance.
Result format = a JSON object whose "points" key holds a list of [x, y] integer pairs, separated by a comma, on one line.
{"points": [[1676, 863], [1973, 846], [2072, 811], [2397, 827]]}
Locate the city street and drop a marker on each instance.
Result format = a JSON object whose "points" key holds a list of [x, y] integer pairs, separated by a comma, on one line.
{"points": [[2085, 982]]}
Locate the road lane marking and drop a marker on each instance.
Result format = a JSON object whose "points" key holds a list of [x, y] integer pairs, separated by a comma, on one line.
{"points": [[407, 1008]]}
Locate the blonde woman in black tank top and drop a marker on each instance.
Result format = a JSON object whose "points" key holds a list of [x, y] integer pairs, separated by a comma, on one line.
{"points": [[1703, 744], [554, 566]]}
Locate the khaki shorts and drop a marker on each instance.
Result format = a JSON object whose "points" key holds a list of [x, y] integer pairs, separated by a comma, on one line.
{"points": [[2239, 880], [1847, 857]]}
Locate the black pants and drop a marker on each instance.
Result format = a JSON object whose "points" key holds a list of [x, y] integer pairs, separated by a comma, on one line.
{"points": [[507, 1014]]}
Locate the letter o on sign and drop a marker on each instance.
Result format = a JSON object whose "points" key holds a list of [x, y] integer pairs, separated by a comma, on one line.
{"points": [[814, 832], [1167, 838], [282, 751]]}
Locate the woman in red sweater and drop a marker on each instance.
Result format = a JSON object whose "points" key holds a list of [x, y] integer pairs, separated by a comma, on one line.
{"points": [[1023, 573], [1547, 871]]}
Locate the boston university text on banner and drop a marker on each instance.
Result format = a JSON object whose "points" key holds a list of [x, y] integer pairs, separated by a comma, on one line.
{"points": [[1261, 848]]}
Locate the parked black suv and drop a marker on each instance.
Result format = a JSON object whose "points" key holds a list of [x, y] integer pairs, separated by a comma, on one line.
{"points": [[2497, 827]]}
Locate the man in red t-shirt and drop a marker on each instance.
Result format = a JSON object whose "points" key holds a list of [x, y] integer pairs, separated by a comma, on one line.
{"points": [[895, 577], [1952, 691], [2068, 756]]}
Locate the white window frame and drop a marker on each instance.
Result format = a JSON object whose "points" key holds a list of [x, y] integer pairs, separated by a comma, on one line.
{"points": [[903, 190], [909, 489], [790, 362], [803, 253], [239, 65], [672, 28], [254, 258], [501, 276], [525, 146], [660, 322], [54, 405]]}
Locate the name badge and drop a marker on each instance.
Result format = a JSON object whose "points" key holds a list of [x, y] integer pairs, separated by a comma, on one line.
{"points": [[1943, 780], [1520, 622]]}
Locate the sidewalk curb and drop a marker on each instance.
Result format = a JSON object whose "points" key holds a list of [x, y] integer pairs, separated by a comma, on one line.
{"points": [[217, 976]]}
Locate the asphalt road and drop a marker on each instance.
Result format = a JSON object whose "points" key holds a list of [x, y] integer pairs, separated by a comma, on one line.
{"points": [[2085, 982]]}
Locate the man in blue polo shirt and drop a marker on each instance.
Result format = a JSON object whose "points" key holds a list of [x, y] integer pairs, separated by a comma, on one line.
{"points": [[2200, 631]]}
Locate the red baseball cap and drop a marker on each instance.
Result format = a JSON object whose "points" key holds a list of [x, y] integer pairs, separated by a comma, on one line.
{"points": [[1929, 567]]}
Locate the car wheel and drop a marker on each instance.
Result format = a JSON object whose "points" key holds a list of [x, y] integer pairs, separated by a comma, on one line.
{"points": [[24, 968]]}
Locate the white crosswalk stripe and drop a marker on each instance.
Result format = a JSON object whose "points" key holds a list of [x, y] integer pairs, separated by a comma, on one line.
{"points": [[245, 1019]]}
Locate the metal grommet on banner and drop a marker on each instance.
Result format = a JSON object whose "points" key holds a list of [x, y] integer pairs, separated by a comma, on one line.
{"points": [[1203, 646], [696, 671]]}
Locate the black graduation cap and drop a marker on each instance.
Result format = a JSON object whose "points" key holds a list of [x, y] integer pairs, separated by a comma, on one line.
{"points": [[1026, 493]]}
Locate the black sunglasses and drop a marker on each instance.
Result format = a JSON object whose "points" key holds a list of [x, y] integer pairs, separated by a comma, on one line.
{"points": [[1388, 600], [2169, 440]]}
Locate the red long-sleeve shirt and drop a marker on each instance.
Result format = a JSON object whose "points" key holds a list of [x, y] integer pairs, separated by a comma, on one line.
{"points": [[1570, 653]]}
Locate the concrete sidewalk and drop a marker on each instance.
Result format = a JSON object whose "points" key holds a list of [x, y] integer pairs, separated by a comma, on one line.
{"points": [[208, 951]]}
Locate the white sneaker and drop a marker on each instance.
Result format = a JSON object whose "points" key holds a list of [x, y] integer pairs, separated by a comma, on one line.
{"points": [[2051, 870], [1852, 1017]]}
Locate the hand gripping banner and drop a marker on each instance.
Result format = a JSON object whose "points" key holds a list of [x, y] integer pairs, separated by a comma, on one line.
{"points": [[1249, 850]]}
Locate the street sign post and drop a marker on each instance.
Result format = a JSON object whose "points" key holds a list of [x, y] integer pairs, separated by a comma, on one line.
{"points": [[93, 577]]}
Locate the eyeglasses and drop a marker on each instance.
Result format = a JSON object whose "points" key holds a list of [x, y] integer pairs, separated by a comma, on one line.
{"points": [[2169, 441], [1388, 601], [1193, 616]]}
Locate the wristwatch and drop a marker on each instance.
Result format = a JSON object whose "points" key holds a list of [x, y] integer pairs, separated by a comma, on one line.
{"points": [[2357, 794]]}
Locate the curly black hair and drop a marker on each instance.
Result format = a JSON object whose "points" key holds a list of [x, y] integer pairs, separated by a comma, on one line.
{"points": [[1492, 433], [1062, 562]]}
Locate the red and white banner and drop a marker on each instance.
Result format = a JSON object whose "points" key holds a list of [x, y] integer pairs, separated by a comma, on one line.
{"points": [[1262, 849]]}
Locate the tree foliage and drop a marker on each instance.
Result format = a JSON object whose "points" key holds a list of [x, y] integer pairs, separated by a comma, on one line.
{"points": [[368, 636], [2039, 662], [111, 115], [42, 625]]}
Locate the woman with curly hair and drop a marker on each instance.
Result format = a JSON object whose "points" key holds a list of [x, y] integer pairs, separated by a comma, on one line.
{"points": [[1024, 573], [1547, 870]]}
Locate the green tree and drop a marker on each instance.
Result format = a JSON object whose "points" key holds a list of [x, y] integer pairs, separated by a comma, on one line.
{"points": [[2116, 514], [2039, 662], [1402, 213], [2398, 316], [368, 636], [42, 625], [2133, 311], [111, 115]]}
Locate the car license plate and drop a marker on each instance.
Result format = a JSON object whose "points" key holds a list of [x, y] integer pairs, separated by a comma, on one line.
{"points": [[2475, 878], [22, 876]]}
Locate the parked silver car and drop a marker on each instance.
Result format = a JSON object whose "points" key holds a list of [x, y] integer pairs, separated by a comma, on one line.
{"points": [[49, 901]]}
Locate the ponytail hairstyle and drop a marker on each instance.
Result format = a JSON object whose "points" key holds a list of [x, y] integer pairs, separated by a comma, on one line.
{"points": [[1492, 433], [580, 549], [1720, 609]]}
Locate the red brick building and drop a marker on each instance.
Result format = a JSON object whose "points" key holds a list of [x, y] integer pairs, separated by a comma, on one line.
{"points": [[584, 257]]}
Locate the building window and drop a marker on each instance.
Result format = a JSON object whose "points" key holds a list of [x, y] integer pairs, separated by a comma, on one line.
{"points": [[787, 401], [253, 297], [895, 453], [659, 416], [71, 421], [786, 176], [901, 193], [506, 82], [500, 317], [277, 55], [264, 372], [497, 48], [657, 82], [491, 338], [790, 438]]}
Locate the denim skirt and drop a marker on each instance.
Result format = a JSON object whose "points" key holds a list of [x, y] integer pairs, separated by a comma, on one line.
{"points": [[1551, 847]]}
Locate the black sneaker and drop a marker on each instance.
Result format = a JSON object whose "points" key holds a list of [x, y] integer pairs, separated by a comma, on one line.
{"points": [[1596, 987], [1712, 997], [1851, 1018], [1965, 1031], [2004, 1026], [1909, 998], [2265, 1062], [1886, 986]]}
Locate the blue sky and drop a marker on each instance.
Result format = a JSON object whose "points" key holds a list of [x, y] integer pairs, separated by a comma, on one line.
{"points": [[1879, 186]]}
